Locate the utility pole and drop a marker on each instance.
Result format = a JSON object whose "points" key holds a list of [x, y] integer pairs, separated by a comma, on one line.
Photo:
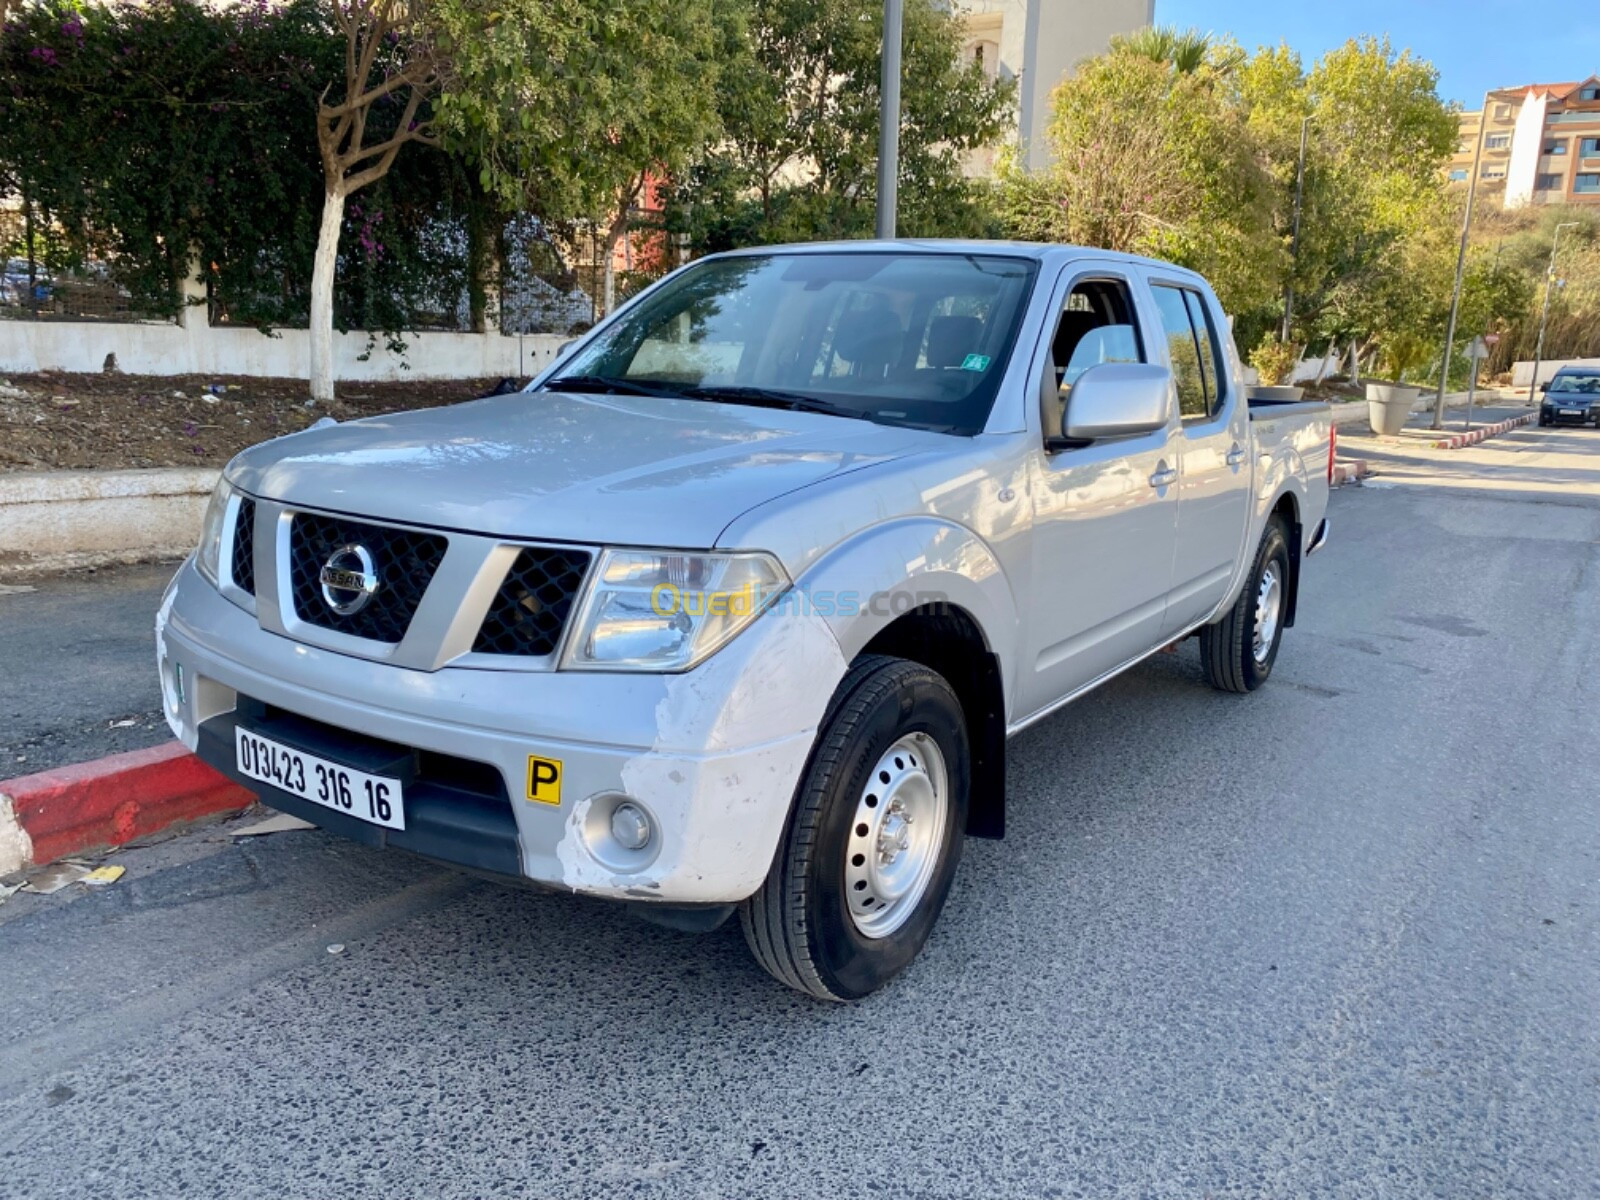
{"points": [[1544, 314], [1294, 241], [1461, 266], [889, 117]]}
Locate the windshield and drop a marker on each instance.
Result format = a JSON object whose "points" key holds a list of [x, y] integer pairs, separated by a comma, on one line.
{"points": [[902, 339], [1588, 385]]}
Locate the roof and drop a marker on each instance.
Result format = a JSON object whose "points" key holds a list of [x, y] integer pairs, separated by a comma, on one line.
{"points": [[1556, 91], [1040, 251]]}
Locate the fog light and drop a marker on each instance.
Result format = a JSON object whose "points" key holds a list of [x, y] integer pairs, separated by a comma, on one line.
{"points": [[630, 826]]}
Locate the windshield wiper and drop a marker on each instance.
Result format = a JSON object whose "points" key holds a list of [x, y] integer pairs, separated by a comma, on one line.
{"points": [[772, 398], [609, 383]]}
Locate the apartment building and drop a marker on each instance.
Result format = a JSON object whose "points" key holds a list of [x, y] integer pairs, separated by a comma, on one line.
{"points": [[1541, 145], [1038, 43]]}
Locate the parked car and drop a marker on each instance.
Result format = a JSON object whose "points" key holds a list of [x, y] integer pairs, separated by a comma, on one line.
{"points": [[734, 608], [1571, 397]]}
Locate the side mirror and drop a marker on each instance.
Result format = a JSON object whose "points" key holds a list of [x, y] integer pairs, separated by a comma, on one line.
{"points": [[1545, 386], [1117, 400]]}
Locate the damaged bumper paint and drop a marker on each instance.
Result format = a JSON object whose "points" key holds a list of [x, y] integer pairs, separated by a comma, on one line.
{"points": [[712, 756]]}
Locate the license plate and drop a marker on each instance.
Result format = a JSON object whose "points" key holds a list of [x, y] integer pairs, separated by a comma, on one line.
{"points": [[371, 798], [1571, 412]]}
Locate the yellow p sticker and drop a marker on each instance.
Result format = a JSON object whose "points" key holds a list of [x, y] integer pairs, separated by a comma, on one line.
{"points": [[544, 780]]}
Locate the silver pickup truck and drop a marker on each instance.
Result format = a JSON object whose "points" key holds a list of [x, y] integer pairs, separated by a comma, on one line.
{"points": [[735, 606]]}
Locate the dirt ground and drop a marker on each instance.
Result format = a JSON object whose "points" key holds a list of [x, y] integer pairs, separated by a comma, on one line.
{"points": [[96, 421]]}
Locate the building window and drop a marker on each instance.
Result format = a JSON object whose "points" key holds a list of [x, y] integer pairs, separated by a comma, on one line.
{"points": [[1589, 147], [1546, 183], [1497, 141], [1494, 173], [1587, 183], [1559, 146], [1502, 112], [1458, 175], [1592, 92]]}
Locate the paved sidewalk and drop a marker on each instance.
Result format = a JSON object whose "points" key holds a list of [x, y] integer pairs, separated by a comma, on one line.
{"points": [[1555, 466]]}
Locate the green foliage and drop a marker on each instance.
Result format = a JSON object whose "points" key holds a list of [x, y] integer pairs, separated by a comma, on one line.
{"points": [[1157, 161], [1402, 354], [1274, 361], [150, 137], [798, 101]]}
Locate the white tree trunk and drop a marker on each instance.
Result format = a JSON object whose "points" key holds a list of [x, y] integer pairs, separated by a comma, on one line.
{"points": [[610, 292], [322, 267]]}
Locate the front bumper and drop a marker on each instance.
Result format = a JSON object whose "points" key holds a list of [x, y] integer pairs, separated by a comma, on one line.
{"points": [[713, 754], [1552, 415]]}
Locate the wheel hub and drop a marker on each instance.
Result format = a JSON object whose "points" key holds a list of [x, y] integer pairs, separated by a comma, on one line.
{"points": [[896, 836], [1269, 610]]}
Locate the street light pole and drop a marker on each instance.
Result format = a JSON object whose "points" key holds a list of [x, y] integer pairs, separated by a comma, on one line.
{"points": [[889, 118], [1544, 314], [1461, 266], [1294, 241]]}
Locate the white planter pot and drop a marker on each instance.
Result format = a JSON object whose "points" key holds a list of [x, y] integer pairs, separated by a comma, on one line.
{"points": [[1389, 406]]}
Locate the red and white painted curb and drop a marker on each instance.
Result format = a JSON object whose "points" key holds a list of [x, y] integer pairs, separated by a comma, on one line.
{"points": [[100, 804], [1478, 435], [1349, 470]]}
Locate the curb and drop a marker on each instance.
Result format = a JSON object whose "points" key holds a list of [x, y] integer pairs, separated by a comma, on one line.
{"points": [[107, 802], [1479, 435], [1350, 470], [57, 519]]}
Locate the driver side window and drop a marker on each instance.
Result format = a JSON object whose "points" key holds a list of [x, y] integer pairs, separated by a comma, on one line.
{"points": [[1097, 325]]}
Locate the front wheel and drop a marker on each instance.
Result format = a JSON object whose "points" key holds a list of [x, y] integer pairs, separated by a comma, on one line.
{"points": [[1237, 652], [874, 837]]}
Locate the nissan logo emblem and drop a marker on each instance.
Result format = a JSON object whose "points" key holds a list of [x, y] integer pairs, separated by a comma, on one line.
{"points": [[348, 580]]}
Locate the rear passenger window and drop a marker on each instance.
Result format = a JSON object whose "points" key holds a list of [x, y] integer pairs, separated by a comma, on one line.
{"points": [[1197, 363]]}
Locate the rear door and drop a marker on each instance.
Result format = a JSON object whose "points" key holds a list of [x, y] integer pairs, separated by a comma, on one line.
{"points": [[1212, 447], [1104, 514]]}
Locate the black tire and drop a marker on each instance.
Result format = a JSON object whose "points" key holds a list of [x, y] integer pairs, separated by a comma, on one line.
{"points": [[798, 924], [1228, 646]]}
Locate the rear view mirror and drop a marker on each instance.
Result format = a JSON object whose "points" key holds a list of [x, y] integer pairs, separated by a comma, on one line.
{"points": [[1117, 400]]}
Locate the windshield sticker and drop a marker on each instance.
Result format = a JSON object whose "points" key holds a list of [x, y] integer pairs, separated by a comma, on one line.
{"points": [[975, 362]]}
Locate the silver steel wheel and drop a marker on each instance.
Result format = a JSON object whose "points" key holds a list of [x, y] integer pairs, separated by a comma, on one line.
{"points": [[1269, 610], [896, 836]]}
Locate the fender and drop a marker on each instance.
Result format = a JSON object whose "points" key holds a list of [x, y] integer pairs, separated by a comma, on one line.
{"points": [[861, 585]]}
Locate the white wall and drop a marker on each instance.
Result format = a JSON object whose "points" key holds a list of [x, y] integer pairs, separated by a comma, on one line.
{"points": [[1522, 372], [151, 349], [1527, 144]]}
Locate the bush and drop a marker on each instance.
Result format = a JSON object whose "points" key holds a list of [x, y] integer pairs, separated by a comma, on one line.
{"points": [[1275, 361]]}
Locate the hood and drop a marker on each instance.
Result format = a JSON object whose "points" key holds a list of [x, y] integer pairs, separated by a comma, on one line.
{"points": [[568, 467]]}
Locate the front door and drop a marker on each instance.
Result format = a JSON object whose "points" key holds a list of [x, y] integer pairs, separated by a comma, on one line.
{"points": [[1104, 515]]}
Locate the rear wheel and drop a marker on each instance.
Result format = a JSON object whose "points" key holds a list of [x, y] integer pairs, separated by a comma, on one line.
{"points": [[1237, 652], [873, 841]]}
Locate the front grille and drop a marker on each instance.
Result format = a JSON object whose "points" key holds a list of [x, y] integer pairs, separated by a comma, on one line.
{"points": [[532, 606], [404, 561], [244, 548]]}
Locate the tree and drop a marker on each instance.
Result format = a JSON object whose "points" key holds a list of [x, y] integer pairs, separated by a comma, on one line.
{"points": [[1152, 160], [1374, 215], [1186, 51], [392, 52], [799, 109]]}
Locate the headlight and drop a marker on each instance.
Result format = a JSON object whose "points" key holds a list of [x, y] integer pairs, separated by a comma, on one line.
{"points": [[649, 611], [211, 531]]}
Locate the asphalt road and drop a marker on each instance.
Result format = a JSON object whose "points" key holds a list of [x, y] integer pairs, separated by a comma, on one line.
{"points": [[77, 669], [1339, 938]]}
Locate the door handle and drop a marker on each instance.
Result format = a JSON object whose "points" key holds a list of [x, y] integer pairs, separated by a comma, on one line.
{"points": [[1164, 475], [1235, 456]]}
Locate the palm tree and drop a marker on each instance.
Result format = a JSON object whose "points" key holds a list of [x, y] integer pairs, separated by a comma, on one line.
{"points": [[1186, 51]]}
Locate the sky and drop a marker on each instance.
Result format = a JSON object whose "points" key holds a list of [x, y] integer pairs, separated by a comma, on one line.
{"points": [[1476, 44]]}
